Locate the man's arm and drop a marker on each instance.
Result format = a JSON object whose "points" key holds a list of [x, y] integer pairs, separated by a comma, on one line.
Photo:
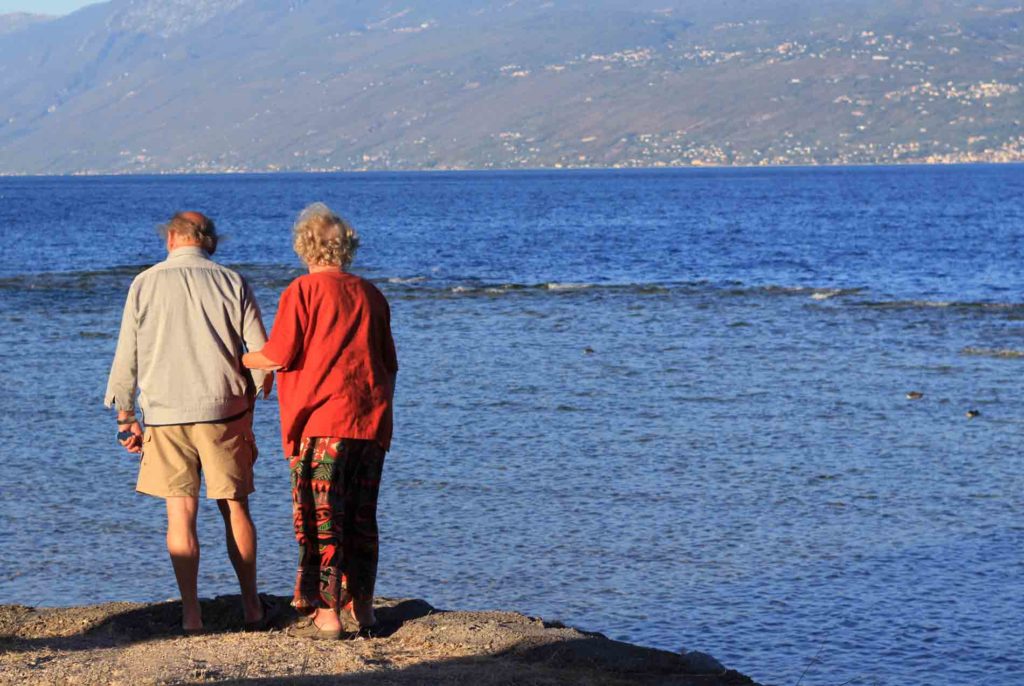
{"points": [[254, 335], [123, 381]]}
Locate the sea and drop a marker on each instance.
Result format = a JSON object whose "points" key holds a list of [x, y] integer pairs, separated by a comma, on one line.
{"points": [[670, 406]]}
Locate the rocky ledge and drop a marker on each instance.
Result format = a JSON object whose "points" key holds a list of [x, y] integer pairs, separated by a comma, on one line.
{"points": [[132, 643]]}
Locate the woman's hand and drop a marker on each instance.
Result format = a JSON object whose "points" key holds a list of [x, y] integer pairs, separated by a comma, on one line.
{"points": [[257, 360]]}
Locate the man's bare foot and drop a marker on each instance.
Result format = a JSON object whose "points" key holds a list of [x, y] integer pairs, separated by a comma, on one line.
{"points": [[253, 611], [192, 618]]}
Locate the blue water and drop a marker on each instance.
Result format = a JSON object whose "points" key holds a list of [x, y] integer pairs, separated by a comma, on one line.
{"points": [[668, 406]]}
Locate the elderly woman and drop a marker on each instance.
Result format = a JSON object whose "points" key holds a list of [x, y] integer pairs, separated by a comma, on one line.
{"points": [[332, 343]]}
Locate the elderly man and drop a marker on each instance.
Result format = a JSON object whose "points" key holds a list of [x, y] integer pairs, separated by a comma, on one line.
{"points": [[186, 324]]}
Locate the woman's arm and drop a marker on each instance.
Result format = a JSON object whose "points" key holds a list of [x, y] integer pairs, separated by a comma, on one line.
{"points": [[257, 360]]}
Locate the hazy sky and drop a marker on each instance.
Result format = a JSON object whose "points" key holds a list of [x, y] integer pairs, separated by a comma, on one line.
{"points": [[43, 6]]}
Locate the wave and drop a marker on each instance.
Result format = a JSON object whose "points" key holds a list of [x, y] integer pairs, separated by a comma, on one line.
{"points": [[76, 280], [553, 287], [1004, 353], [567, 286], [813, 292], [829, 293], [120, 276], [274, 277], [942, 304]]}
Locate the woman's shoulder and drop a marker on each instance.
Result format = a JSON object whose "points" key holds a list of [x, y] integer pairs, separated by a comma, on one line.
{"points": [[366, 288], [345, 282], [298, 284]]}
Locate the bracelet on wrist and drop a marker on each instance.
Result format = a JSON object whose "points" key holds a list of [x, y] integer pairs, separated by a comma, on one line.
{"points": [[127, 421]]}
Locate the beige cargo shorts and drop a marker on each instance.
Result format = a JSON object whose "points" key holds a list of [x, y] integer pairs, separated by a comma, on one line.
{"points": [[176, 457]]}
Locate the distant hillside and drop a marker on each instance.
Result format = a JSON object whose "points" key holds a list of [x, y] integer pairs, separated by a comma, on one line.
{"points": [[239, 85], [9, 23]]}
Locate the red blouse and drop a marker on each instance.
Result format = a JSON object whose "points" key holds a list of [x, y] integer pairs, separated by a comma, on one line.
{"points": [[332, 338]]}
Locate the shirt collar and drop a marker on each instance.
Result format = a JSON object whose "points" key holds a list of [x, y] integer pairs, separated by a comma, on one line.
{"points": [[188, 251]]}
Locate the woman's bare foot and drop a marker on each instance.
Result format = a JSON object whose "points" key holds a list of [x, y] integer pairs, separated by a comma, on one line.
{"points": [[360, 610], [326, 619]]}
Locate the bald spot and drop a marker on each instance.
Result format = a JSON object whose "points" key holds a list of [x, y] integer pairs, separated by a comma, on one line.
{"points": [[197, 218]]}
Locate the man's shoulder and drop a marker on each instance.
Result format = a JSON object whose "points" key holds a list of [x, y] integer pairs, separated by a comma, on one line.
{"points": [[190, 263], [226, 271], [147, 274]]}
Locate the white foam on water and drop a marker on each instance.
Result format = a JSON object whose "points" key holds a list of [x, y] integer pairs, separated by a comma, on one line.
{"points": [[555, 286]]}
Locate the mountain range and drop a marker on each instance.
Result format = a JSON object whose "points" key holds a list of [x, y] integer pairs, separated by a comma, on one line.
{"points": [[153, 86]]}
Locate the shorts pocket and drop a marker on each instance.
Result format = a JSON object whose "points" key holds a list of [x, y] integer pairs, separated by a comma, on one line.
{"points": [[250, 440]]}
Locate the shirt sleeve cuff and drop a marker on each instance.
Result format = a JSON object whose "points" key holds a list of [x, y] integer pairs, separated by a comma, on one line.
{"points": [[114, 400]]}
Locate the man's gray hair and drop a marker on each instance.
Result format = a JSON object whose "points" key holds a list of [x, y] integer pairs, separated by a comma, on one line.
{"points": [[194, 226]]}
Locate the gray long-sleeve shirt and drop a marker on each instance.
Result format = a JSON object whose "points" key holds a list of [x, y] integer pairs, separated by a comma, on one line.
{"points": [[186, 324]]}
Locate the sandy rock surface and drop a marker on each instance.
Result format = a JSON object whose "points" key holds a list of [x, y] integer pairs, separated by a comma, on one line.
{"points": [[131, 643]]}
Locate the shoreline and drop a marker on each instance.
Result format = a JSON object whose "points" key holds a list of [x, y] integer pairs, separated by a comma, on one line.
{"points": [[139, 643], [438, 171]]}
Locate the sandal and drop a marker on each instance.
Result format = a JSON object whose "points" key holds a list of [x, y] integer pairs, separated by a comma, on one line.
{"points": [[307, 628]]}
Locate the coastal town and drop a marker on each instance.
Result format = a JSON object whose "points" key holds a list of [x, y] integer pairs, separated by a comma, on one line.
{"points": [[658, 91]]}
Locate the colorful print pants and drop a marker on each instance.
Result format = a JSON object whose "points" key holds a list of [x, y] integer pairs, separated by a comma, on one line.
{"points": [[335, 482]]}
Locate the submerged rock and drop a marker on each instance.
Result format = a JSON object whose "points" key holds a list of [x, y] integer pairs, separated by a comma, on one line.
{"points": [[702, 663]]}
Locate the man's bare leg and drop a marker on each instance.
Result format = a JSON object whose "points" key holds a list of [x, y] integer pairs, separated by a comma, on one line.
{"points": [[240, 535], [183, 547]]}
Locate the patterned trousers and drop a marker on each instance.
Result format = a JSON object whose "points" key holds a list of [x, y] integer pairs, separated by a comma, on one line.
{"points": [[335, 482]]}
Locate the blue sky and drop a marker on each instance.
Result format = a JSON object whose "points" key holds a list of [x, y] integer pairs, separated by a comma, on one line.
{"points": [[43, 6]]}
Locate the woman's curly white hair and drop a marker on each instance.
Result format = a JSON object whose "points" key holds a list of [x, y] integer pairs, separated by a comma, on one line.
{"points": [[322, 237]]}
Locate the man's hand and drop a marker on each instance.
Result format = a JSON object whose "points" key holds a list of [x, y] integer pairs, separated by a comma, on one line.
{"points": [[128, 423]]}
